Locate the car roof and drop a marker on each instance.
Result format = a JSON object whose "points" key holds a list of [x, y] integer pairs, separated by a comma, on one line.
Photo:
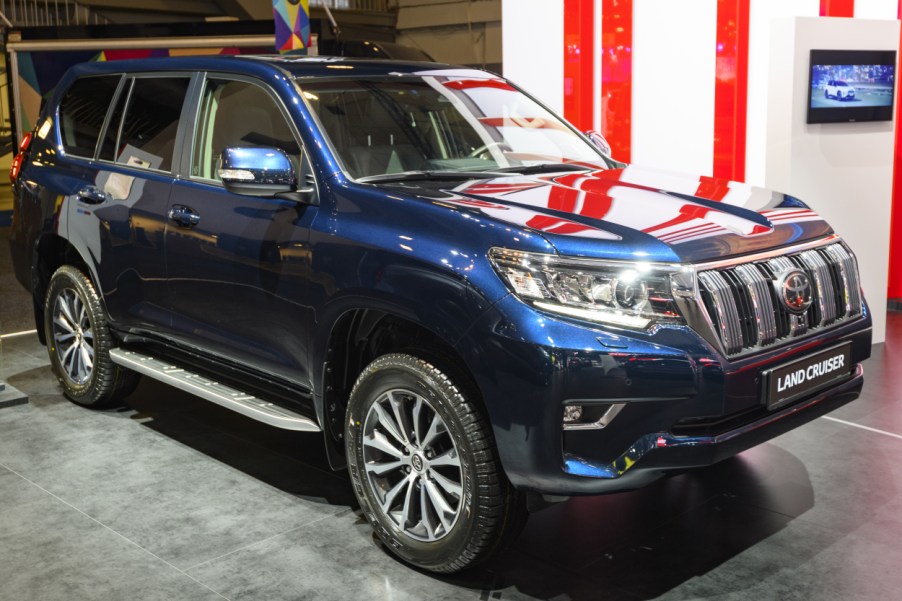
{"points": [[298, 66]]}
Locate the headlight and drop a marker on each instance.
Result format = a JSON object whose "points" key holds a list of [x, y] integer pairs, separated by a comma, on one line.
{"points": [[627, 294]]}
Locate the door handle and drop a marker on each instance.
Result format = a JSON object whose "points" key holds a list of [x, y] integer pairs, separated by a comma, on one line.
{"points": [[92, 195], [184, 216]]}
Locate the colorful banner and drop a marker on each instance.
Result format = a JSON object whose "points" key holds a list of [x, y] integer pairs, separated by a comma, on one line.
{"points": [[292, 20]]}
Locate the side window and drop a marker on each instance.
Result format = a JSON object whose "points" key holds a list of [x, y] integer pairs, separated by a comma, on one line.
{"points": [[148, 130], [237, 113], [82, 111]]}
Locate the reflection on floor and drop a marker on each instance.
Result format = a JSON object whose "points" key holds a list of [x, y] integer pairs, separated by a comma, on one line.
{"points": [[174, 498]]}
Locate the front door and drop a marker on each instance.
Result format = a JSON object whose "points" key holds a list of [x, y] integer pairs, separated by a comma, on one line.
{"points": [[238, 265]]}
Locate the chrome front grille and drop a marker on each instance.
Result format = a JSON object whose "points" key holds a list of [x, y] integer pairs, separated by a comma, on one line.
{"points": [[746, 314]]}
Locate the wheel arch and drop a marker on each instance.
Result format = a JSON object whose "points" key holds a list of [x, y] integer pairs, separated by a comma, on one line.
{"points": [[51, 252], [358, 336]]}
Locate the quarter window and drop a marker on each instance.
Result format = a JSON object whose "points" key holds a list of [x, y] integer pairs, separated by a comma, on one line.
{"points": [[82, 111], [147, 134], [237, 113]]}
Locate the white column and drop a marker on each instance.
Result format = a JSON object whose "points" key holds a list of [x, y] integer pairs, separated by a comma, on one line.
{"points": [[876, 9], [673, 84], [761, 16], [532, 45]]}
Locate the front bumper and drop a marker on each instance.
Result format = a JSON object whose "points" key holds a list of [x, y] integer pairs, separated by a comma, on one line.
{"points": [[653, 455], [684, 405]]}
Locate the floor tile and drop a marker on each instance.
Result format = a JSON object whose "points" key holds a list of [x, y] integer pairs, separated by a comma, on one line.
{"points": [[329, 559], [162, 491], [49, 551], [16, 491]]}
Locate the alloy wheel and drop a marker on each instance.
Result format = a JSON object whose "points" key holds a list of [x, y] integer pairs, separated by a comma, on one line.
{"points": [[73, 336], [413, 465]]}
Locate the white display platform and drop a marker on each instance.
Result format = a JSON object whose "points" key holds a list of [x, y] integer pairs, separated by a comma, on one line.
{"points": [[843, 170]]}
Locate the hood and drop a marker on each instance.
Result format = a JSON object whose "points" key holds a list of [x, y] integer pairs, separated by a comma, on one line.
{"points": [[635, 213]]}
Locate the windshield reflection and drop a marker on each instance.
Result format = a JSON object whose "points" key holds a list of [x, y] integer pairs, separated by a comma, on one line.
{"points": [[440, 123]]}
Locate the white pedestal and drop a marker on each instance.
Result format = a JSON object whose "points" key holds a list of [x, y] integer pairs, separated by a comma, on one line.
{"points": [[844, 171]]}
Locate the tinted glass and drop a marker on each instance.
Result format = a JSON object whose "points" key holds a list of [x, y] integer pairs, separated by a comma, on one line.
{"points": [[151, 122], [82, 111], [237, 113], [440, 122]]}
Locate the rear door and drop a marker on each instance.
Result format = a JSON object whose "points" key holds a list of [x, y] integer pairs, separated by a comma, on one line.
{"points": [[117, 216], [238, 265]]}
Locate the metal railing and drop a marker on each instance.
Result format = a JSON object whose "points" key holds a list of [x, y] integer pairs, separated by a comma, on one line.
{"points": [[371, 5], [49, 13]]}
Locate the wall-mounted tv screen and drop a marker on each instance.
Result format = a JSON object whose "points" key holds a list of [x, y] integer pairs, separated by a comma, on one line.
{"points": [[851, 85]]}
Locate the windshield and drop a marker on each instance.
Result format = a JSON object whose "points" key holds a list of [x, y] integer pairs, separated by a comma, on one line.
{"points": [[440, 123]]}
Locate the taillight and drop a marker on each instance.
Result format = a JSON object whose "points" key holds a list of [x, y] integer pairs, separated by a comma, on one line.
{"points": [[20, 156]]}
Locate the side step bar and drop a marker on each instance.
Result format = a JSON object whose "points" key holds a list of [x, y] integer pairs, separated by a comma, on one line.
{"points": [[220, 394]]}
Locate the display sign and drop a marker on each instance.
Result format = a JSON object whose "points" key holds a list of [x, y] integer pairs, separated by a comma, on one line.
{"points": [[851, 85]]}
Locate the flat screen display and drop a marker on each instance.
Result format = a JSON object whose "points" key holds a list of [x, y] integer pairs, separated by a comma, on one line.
{"points": [[851, 85]]}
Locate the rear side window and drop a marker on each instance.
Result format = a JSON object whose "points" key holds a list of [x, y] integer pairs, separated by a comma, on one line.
{"points": [[82, 111], [147, 134]]}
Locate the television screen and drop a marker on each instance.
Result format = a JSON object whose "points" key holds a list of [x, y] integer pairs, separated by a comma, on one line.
{"points": [[851, 85]]}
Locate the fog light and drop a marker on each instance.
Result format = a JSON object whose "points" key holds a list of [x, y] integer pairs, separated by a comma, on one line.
{"points": [[572, 413]]}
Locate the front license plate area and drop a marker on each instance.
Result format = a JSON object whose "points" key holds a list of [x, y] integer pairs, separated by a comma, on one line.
{"points": [[807, 375]]}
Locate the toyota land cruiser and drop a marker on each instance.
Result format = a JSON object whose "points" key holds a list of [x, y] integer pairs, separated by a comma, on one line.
{"points": [[470, 301]]}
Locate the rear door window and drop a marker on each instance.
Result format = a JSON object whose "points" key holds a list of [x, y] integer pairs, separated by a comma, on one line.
{"points": [[147, 134], [82, 111]]}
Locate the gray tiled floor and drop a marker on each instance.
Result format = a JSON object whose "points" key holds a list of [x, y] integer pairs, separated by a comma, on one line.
{"points": [[173, 498]]}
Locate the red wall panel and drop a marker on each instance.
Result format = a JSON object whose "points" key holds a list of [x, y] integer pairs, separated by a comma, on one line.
{"points": [[731, 89], [617, 76], [894, 287], [579, 62], [837, 8]]}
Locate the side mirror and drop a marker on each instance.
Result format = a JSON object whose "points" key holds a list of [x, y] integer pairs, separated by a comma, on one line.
{"points": [[599, 142], [257, 171]]}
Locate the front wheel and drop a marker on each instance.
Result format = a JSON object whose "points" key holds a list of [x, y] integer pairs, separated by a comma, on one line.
{"points": [[424, 466], [79, 342]]}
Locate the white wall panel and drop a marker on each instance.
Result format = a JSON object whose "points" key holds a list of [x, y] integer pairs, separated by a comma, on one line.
{"points": [[533, 48], [876, 9], [761, 16], [673, 84], [844, 171]]}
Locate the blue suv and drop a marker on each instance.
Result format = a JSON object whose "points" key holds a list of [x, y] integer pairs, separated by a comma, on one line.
{"points": [[476, 306]]}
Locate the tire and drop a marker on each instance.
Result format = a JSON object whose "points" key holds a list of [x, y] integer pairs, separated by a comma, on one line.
{"points": [[436, 494], [79, 342]]}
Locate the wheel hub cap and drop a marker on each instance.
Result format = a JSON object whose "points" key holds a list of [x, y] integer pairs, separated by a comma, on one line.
{"points": [[417, 463]]}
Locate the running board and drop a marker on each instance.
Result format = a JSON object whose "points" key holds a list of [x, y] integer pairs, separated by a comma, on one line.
{"points": [[209, 390]]}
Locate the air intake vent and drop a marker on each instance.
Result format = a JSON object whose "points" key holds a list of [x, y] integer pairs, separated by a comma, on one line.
{"points": [[747, 313]]}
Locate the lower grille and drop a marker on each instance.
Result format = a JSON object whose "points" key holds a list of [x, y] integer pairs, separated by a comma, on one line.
{"points": [[743, 306]]}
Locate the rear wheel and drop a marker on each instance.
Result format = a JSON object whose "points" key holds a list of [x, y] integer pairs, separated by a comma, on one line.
{"points": [[79, 342], [424, 466]]}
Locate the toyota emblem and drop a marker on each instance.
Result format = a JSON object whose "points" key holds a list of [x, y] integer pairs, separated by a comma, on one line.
{"points": [[794, 289]]}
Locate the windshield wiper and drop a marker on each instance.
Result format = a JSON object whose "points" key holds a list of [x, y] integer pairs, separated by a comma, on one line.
{"points": [[404, 176], [542, 168]]}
